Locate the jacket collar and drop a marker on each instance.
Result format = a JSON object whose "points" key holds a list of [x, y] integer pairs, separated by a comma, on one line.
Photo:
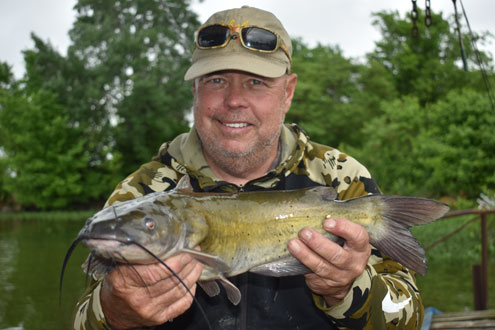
{"points": [[186, 151]]}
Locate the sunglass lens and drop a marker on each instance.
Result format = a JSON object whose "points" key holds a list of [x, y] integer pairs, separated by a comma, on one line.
{"points": [[212, 36], [258, 38]]}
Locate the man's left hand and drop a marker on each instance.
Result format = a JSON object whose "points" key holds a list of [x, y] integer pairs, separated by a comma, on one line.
{"points": [[334, 267]]}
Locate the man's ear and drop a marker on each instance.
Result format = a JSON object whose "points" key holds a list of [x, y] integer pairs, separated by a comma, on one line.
{"points": [[290, 88], [193, 88]]}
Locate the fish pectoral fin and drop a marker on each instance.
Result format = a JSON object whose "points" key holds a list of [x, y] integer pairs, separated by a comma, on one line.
{"points": [[232, 291], [210, 287], [215, 262], [285, 267]]}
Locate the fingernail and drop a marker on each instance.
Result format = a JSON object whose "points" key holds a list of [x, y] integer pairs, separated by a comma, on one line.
{"points": [[329, 223], [294, 245], [306, 234]]}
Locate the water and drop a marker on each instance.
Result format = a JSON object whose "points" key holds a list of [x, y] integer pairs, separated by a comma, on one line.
{"points": [[31, 256]]}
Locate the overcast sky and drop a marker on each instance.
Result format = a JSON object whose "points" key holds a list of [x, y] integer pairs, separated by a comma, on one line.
{"points": [[346, 23]]}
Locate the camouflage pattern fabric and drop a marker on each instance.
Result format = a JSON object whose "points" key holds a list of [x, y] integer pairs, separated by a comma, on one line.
{"points": [[385, 296]]}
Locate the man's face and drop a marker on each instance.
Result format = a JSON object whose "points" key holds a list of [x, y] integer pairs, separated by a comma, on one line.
{"points": [[237, 113]]}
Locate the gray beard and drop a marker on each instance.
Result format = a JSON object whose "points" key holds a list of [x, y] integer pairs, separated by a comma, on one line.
{"points": [[240, 164]]}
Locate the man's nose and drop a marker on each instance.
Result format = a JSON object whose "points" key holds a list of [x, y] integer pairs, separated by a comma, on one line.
{"points": [[236, 96]]}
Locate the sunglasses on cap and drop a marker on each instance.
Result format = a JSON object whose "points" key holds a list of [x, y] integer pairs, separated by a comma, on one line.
{"points": [[252, 37]]}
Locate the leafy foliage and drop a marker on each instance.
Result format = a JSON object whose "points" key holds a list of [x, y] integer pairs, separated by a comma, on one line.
{"points": [[333, 93], [45, 158], [76, 124], [445, 149], [436, 139], [325, 90], [138, 52], [426, 66], [388, 149], [119, 93], [458, 151]]}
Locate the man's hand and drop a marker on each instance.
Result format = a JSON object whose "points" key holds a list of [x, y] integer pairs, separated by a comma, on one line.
{"points": [[334, 267], [152, 298]]}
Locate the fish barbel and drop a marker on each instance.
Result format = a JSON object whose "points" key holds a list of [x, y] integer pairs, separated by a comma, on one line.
{"points": [[249, 231]]}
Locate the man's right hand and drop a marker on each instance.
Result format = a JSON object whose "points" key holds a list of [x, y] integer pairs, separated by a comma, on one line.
{"points": [[153, 298]]}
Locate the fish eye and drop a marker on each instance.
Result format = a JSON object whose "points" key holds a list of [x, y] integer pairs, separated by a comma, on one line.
{"points": [[149, 223]]}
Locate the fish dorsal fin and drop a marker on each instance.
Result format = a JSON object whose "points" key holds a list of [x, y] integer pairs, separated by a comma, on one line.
{"points": [[217, 263], [184, 184], [322, 192], [329, 193]]}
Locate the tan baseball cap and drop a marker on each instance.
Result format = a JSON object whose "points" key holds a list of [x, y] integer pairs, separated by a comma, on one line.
{"points": [[234, 56]]}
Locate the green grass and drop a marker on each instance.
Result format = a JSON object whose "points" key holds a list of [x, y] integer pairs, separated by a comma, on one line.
{"points": [[448, 286]]}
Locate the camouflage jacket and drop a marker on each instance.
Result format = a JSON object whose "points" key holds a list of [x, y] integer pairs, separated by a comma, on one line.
{"points": [[385, 296]]}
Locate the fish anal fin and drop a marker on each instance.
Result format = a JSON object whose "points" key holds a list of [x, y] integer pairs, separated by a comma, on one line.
{"points": [[210, 287], [285, 267], [214, 262], [233, 293]]}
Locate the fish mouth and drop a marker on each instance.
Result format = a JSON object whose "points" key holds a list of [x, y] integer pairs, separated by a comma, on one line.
{"points": [[122, 251], [104, 247]]}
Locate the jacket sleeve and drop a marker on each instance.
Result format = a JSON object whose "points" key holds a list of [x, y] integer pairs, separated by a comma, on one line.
{"points": [[88, 313], [385, 296]]}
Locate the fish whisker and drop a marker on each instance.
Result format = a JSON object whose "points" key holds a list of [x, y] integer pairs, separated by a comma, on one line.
{"points": [[64, 265]]}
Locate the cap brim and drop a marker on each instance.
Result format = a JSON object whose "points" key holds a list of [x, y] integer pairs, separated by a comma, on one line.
{"points": [[244, 61]]}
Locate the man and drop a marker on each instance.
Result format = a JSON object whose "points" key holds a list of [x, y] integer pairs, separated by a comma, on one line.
{"points": [[242, 89]]}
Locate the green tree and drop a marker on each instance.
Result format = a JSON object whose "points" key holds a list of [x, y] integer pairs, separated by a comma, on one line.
{"points": [[7, 84], [456, 147], [138, 52], [7, 81], [336, 96], [45, 157], [71, 88], [77, 91], [445, 149], [116, 96], [388, 150], [323, 102], [426, 66]]}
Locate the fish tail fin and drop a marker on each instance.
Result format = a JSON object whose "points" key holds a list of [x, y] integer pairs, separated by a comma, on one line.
{"points": [[394, 239]]}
